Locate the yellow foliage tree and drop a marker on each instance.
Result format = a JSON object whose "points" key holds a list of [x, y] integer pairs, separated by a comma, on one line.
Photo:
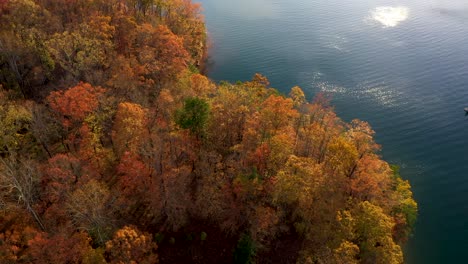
{"points": [[131, 246], [129, 128]]}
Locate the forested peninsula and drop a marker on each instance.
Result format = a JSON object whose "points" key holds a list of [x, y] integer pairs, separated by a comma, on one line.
{"points": [[114, 148]]}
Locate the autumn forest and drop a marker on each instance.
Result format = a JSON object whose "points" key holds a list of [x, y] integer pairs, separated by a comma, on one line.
{"points": [[115, 148]]}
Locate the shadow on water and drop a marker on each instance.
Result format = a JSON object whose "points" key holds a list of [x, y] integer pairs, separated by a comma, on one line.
{"points": [[455, 13]]}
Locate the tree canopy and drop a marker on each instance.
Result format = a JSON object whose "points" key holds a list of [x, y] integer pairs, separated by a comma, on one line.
{"points": [[114, 148]]}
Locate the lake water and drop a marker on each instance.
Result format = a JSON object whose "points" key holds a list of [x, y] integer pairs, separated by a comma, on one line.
{"points": [[400, 65]]}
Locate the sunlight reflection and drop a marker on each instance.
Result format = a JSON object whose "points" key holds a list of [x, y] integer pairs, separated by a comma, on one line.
{"points": [[390, 16]]}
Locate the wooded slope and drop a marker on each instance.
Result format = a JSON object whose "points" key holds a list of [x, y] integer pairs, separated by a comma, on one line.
{"points": [[115, 149]]}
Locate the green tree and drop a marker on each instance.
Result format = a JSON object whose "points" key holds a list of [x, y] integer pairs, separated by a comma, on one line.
{"points": [[406, 210], [193, 116], [245, 250]]}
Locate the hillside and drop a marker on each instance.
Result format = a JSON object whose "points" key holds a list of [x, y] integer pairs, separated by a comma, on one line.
{"points": [[115, 149]]}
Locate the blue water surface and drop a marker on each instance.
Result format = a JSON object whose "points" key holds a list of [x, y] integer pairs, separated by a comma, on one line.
{"points": [[400, 65]]}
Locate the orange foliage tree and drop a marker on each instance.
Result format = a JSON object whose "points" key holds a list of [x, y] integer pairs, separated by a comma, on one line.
{"points": [[162, 53], [75, 103], [129, 128], [60, 248], [129, 245], [15, 233]]}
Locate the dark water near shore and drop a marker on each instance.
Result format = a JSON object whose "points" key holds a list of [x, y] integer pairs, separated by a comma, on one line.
{"points": [[403, 69]]}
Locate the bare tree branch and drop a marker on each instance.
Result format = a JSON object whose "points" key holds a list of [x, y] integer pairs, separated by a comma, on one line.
{"points": [[18, 182]]}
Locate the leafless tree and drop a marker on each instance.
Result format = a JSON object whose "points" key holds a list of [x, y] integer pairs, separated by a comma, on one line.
{"points": [[19, 183]]}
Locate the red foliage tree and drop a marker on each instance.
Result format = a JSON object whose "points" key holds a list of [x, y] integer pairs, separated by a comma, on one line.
{"points": [[75, 103], [59, 248], [60, 177], [136, 188]]}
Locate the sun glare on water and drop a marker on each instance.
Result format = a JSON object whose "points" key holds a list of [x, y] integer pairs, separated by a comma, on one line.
{"points": [[390, 16]]}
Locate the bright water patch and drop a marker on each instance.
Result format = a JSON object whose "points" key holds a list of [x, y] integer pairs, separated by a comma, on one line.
{"points": [[390, 16], [327, 87], [335, 42], [380, 93]]}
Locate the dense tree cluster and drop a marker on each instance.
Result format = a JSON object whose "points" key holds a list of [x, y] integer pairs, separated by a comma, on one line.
{"points": [[114, 149]]}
